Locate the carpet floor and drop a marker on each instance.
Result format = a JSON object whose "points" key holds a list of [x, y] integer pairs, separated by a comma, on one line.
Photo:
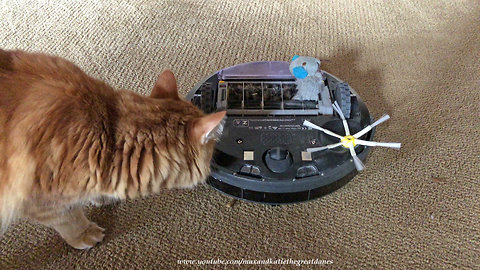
{"points": [[415, 60]]}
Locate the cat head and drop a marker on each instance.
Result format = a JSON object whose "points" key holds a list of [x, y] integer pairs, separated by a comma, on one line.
{"points": [[202, 130]]}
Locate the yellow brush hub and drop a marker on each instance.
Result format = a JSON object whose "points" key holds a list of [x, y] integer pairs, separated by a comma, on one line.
{"points": [[347, 140]]}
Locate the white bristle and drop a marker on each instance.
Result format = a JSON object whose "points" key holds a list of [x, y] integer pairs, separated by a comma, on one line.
{"points": [[345, 126], [337, 108], [312, 125], [358, 163], [369, 127], [316, 149], [380, 120], [330, 146], [382, 144], [362, 132], [390, 145]]}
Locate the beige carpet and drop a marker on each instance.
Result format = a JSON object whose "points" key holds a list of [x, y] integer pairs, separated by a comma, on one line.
{"points": [[416, 60]]}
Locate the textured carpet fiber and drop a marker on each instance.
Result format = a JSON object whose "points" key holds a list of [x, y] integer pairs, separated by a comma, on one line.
{"points": [[415, 60]]}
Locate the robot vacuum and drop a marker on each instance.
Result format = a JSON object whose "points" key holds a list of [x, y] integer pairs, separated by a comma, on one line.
{"points": [[261, 156]]}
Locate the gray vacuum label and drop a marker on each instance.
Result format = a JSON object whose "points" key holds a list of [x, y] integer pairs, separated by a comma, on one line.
{"points": [[269, 124]]}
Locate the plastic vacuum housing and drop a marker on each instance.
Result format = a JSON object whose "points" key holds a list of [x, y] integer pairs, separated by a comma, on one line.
{"points": [[261, 156]]}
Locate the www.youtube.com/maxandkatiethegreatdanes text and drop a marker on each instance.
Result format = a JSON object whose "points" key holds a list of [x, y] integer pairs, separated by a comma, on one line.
{"points": [[256, 262]]}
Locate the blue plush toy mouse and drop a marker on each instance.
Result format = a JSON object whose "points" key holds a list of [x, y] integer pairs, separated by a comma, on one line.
{"points": [[309, 78]]}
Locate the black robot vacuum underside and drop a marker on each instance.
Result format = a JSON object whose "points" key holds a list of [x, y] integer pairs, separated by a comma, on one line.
{"points": [[261, 156]]}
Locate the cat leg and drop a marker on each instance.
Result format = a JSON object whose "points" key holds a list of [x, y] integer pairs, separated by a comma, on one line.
{"points": [[72, 225]]}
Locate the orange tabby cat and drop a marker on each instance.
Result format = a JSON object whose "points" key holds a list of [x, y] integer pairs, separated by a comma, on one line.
{"points": [[67, 139]]}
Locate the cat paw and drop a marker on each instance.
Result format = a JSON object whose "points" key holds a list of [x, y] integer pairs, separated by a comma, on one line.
{"points": [[104, 201], [88, 238]]}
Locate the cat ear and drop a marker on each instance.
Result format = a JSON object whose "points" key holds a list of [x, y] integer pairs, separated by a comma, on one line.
{"points": [[166, 86], [208, 127]]}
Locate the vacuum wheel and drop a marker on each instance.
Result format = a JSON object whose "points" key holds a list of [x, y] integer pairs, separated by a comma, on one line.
{"points": [[342, 96]]}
